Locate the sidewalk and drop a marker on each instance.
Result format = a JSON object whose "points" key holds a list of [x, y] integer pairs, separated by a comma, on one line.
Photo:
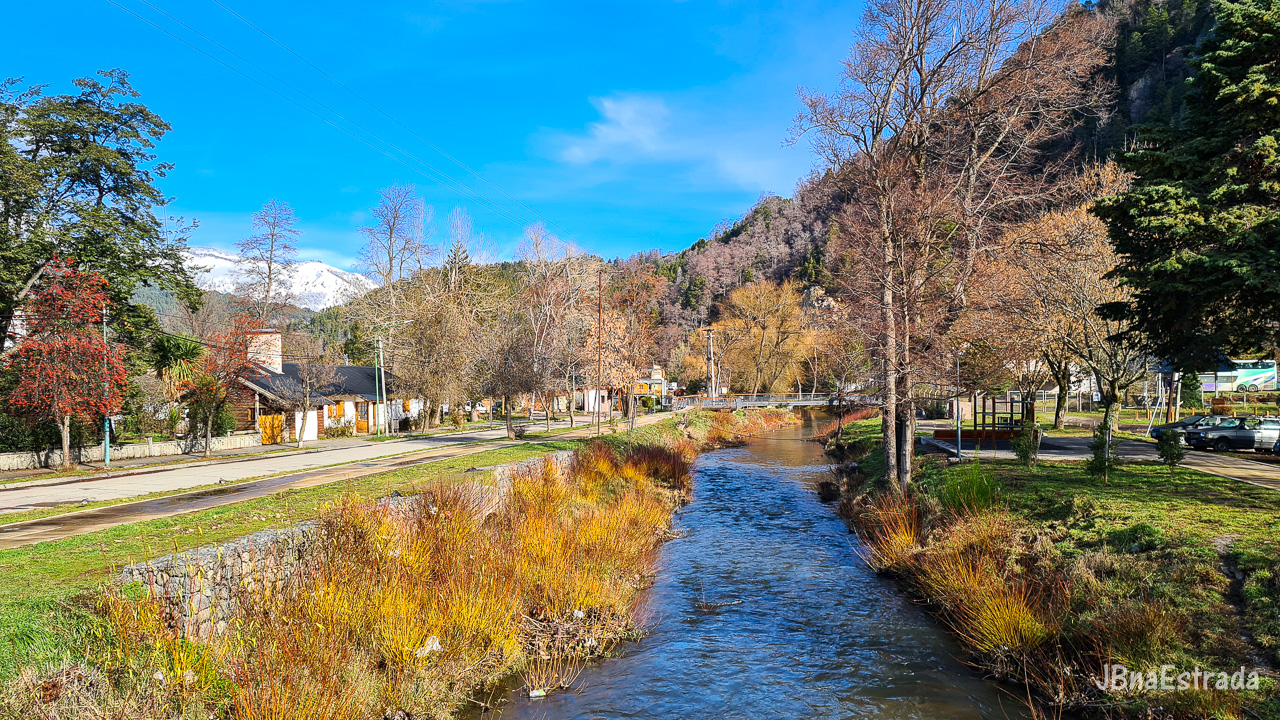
{"points": [[170, 475], [424, 451], [15, 478]]}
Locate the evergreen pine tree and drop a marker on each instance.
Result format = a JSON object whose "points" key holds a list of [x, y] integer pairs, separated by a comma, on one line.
{"points": [[1199, 232]]}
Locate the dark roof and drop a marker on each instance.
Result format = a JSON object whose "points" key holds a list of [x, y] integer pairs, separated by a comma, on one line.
{"points": [[352, 380], [275, 385], [357, 380]]}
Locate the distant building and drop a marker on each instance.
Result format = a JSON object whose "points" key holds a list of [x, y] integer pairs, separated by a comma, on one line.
{"points": [[652, 383]]}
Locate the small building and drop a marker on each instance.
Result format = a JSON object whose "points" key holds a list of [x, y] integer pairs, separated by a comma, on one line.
{"points": [[652, 383], [351, 400]]}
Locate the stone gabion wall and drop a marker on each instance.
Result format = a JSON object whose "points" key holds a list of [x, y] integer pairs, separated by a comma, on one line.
{"points": [[200, 590], [502, 474]]}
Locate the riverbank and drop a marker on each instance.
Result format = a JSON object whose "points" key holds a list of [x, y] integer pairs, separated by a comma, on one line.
{"points": [[561, 563], [761, 611], [1048, 576]]}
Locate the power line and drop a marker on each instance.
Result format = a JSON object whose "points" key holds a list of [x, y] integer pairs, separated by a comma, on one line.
{"points": [[443, 179], [387, 115]]}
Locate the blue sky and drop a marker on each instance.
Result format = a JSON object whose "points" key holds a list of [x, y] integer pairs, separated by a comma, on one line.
{"points": [[630, 126]]}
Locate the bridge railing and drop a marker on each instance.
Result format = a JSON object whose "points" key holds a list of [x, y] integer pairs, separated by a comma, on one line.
{"points": [[734, 402]]}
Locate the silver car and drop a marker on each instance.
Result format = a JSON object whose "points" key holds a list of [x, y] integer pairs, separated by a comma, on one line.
{"points": [[1242, 433]]}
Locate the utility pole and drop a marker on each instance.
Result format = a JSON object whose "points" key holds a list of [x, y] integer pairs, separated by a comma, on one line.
{"points": [[711, 363], [106, 393], [599, 349], [382, 386], [959, 413]]}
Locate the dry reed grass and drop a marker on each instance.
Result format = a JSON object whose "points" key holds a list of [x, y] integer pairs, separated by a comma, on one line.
{"points": [[416, 610]]}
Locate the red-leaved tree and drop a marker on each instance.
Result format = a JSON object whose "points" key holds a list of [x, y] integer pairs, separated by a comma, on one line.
{"points": [[225, 363], [64, 367]]}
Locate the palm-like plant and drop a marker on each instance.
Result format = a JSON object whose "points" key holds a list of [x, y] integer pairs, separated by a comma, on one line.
{"points": [[176, 360]]}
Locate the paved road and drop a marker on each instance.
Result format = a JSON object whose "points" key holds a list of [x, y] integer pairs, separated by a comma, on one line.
{"points": [[183, 477], [1077, 448], [75, 523]]}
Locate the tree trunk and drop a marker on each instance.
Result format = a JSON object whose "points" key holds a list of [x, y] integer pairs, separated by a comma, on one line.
{"points": [[888, 361], [475, 413], [906, 411], [506, 406], [66, 442], [208, 437], [906, 435], [1110, 411], [302, 429], [1063, 378], [569, 385], [546, 405]]}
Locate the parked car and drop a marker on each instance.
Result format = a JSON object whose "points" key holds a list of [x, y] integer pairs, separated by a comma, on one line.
{"points": [[1239, 433], [1189, 423], [1182, 425]]}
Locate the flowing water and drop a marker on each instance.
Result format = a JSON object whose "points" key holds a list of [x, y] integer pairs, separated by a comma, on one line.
{"points": [[816, 634]]}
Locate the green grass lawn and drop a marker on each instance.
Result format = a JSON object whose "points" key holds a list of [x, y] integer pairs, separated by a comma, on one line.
{"points": [[1203, 547], [1202, 550], [42, 621], [1191, 508]]}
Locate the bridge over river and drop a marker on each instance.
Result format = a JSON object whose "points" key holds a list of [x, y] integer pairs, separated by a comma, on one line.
{"points": [[736, 402]]}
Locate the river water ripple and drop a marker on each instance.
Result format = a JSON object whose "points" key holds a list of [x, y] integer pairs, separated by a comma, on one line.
{"points": [[816, 635]]}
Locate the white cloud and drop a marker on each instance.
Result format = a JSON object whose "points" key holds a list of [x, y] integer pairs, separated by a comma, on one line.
{"points": [[631, 126], [707, 148]]}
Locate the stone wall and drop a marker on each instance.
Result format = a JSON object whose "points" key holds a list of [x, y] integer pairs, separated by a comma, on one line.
{"points": [[200, 589], [93, 453]]}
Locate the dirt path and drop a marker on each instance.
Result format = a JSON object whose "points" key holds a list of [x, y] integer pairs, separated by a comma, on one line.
{"points": [[84, 521]]}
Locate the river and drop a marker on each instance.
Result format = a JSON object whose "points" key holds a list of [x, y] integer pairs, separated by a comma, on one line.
{"points": [[815, 634]]}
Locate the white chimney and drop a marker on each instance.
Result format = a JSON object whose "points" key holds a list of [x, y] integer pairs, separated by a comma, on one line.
{"points": [[265, 349]]}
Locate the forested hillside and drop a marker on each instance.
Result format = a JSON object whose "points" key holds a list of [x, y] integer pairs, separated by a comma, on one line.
{"points": [[1154, 39], [785, 238], [777, 239]]}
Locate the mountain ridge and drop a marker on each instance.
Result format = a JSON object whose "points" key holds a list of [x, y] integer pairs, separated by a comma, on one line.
{"points": [[314, 285]]}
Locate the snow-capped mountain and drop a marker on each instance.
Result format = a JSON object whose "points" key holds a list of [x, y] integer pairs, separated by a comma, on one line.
{"points": [[315, 284]]}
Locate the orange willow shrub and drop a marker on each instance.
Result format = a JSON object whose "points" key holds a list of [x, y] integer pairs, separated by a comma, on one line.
{"points": [[966, 570], [890, 524], [417, 609]]}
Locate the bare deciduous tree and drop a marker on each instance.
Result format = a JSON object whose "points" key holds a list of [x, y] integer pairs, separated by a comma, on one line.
{"points": [[396, 243], [939, 135], [316, 377], [267, 259]]}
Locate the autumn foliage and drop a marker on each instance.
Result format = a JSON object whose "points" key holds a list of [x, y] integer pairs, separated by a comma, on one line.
{"points": [[64, 367]]}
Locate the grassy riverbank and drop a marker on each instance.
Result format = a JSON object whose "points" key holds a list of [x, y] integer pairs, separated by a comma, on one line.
{"points": [[1047, 575], [583, 543]]}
